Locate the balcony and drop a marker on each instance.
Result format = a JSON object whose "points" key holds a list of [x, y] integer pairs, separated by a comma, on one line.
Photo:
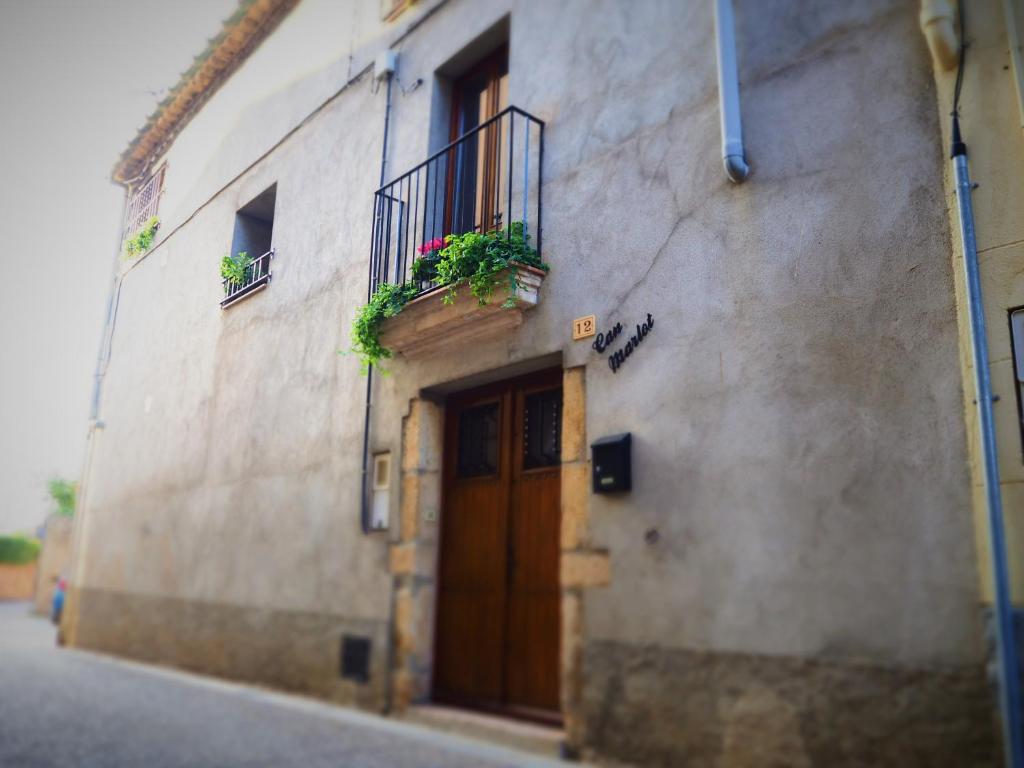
{"points": [[489, 180], [256, 277]]}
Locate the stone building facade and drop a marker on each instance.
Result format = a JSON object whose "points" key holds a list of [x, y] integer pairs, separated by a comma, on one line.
{"points": [[791, 578]]}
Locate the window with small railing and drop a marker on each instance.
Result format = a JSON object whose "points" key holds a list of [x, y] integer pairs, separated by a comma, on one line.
{"points": [[143, 203], [251, 248]]}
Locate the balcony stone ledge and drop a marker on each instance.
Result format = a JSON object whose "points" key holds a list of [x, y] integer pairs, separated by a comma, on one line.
{"points": [[427, 325]]}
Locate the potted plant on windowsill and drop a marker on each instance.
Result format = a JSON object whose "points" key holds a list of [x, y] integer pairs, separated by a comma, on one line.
{"points": [[141, 241], [500, 270]]}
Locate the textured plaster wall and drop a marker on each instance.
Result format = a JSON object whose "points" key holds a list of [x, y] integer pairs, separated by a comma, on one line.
{"points": [[800, 483], [805, 465]]}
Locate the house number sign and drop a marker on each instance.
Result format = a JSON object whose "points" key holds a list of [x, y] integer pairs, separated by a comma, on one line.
{"points": [[582, 327], [604, 341]]}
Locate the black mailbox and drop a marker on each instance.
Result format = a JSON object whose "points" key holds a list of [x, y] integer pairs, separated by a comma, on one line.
{"points": [[612, 465]]}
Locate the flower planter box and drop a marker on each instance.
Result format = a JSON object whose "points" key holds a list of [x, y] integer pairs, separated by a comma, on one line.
{"points": [[426, 324]]}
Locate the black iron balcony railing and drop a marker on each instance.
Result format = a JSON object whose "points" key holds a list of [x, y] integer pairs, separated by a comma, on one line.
{"points": [[488, 179], [256, 276]]}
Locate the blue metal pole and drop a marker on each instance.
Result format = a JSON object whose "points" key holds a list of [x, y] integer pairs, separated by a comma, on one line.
{"points": [[1006, 647]]}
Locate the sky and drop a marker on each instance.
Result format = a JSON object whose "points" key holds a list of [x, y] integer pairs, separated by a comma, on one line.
{"points": [[77, 80]]}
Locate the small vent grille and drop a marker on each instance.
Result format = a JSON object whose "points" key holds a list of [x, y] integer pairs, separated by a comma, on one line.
{"points": [[355, 658]]}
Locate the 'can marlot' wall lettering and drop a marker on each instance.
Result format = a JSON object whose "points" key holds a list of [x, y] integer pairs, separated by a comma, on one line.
{"points": [[618, 357], [604, 340]]}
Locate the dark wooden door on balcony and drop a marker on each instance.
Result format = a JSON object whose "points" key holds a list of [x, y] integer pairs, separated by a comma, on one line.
{"points": [[475, 179], [498, 605]]}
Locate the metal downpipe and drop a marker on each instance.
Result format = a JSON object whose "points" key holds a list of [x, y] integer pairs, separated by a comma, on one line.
{"points": [[1006, 648], [364, 495], [733, 154]]}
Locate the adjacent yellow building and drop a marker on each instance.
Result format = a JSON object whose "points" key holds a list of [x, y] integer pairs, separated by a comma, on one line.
{"points": [[992, 124]]}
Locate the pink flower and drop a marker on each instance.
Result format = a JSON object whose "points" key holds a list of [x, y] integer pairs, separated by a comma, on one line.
{"points": [[436, 244]]}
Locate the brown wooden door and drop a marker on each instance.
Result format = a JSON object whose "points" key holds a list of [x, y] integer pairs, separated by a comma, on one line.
{"points": [[498, 609]]}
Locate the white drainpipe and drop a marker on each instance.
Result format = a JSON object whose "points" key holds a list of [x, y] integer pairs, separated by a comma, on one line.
{"points": [[733, 156]]}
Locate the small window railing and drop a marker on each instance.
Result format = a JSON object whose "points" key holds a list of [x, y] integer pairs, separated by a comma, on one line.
{"points": [[255, 277], [489, 179]]}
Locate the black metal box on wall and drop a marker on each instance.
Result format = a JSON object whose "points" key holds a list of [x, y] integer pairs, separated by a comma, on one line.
{"points": [[612, 466]]}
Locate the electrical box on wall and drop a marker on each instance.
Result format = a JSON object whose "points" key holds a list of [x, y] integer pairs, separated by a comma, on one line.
{"points": [[385, 64], [612, 463], [380, 501]]}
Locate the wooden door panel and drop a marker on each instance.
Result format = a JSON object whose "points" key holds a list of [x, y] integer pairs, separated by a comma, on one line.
{"points": [[534, 598], [468, 667], [474, 537], [471, 604]]}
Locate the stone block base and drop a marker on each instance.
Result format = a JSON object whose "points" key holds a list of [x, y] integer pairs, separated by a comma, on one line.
{"points": [[659, 707], [291, 650]]}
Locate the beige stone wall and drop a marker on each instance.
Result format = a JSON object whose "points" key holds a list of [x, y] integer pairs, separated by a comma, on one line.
{"points": [[54, 561], [17, 582], [991, 127]]}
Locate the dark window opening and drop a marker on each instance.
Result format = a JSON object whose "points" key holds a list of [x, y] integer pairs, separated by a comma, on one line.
{"points": [[254, 225]]}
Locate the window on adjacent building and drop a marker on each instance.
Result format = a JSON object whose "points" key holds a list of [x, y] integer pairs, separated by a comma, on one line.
{"points": [[392, 9], [1017, 347]]}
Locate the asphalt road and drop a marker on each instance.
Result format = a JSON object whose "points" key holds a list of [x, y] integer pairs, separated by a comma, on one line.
{"points": [[62, 708]]}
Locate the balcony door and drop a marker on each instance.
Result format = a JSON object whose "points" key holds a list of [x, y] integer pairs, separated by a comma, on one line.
{"points": [[498, 604], [475, 181]]}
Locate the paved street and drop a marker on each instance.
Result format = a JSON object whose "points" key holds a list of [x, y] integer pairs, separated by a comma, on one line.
{"points": [[67, 708]]}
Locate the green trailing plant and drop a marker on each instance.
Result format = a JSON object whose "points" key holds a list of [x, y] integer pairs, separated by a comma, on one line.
{"points": [[475, 259], [232, 268], [63, 492], [142, 241], [18, 549], [387, 301]]}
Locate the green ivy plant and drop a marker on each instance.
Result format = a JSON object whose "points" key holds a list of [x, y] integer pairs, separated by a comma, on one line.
{"points": [[63, 492], [141, 241], [232, 268], [387, 301], [476, 259]]}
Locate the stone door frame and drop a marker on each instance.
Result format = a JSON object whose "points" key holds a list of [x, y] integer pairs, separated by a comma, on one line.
{"points": [[414, 552]]}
